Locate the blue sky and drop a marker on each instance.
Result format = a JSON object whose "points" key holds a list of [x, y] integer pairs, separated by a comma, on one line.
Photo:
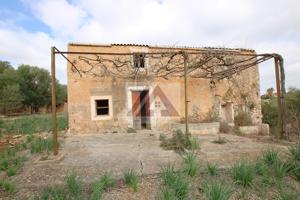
{"points": [[28, 28]]}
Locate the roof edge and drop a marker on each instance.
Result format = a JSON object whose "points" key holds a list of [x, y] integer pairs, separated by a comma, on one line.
{"points": [[162, 46]]}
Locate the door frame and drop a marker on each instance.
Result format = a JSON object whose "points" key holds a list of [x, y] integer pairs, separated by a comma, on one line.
{"points": [[129, 102]]}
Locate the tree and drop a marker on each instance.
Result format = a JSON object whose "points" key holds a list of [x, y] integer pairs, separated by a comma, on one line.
{"points": [[270, 92], [35, 86], [10, 98], [61, 93], [4, 65]]}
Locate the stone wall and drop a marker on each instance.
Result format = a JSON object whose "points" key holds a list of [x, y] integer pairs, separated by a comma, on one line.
{"points": [[205, 102]]}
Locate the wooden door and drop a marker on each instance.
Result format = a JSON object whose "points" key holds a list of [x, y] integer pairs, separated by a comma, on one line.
{"points": [[136, 109]]}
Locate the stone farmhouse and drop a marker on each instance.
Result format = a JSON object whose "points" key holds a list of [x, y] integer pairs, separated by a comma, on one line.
{"points": [[102, 100]]}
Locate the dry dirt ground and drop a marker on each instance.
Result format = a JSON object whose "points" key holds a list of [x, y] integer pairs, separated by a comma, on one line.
{"points": [[92, 155]]}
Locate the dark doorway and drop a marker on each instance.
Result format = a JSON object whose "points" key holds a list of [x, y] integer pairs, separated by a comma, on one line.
{"points": [[141, 109]]}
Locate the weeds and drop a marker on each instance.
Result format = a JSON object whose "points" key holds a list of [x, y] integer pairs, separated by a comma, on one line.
{"points": [[73, 184], [294, 153], [178, 142], [7, 186], [52, 193], [11, 171], [167, 194], [190, 164], [181, 187], [280, 169], [270, 156], [40, 145], [33, 124], [212, 169], [106, 181], [216, 191], [131, 130], [243, 174], [194, 143], [287, 194], [131, 179], [168, 175], [260, 167]]}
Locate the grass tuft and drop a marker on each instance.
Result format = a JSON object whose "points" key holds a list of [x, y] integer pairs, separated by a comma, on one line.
{"points": [[54, 193], [106, 181], [7, 186], [280, 169], [190, 164], [216, 191], [212, 169], [40, 145], [294, 152], [270, 156], [131, 130], [131, 179], [73, 184], [243, 174], [168, 175], [194, 143], [181, 187], [179, 142]]}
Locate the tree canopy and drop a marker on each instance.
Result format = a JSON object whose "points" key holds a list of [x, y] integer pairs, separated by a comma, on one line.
{"points": [[27, 86]]}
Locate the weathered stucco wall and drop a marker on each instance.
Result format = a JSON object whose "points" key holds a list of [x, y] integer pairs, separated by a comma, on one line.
{"points": [[206, 102]]}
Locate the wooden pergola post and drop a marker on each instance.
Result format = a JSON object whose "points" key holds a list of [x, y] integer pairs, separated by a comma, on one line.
{"points": [[280, 87], [185, 57], [53, 109]]}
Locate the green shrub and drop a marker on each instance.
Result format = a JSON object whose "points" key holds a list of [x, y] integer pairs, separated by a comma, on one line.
{"points": [[194, 143], [216, 191], [131, 179], [106, 181], [73, 184], [167, 194], [270, 113], [280, 169], [181, 187], [212, 169], [243, 118], [270, 156], [11, 171], [52, 193], [260, 167], [40, 145], [4, 164], [178, 142], [34, 124], [168, 175], [287, 194], [11, 152], [7, 186], [29, 138], [190, 164], [296, 172], [294, 153], [243, 174], [131, 130]]}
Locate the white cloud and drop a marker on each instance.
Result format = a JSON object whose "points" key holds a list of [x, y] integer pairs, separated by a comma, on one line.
{"points": [[22, 47], [266, 26]]}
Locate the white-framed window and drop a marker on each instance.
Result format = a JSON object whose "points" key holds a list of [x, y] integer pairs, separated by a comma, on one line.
{"points": [[101, 107], [139, 60]]}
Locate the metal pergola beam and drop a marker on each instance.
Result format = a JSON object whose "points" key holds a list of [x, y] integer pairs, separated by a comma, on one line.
{"points": [[279, 74]]}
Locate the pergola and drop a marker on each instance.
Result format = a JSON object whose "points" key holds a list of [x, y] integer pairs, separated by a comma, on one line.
{"points": [[212, 64]]}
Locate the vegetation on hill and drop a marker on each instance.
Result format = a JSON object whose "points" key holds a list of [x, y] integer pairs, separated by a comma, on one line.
{"points": [[270, 110], [28, 86]]}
